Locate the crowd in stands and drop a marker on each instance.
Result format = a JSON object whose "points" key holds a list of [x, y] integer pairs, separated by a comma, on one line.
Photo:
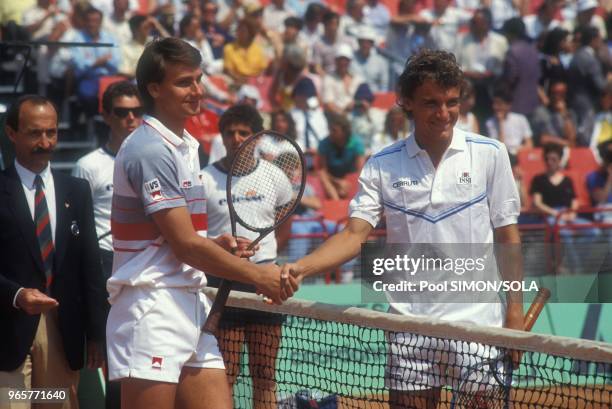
{"points": [[538, 74]]}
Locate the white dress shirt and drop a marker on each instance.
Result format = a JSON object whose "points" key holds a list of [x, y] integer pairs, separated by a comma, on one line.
{"points": [[29, 188]]}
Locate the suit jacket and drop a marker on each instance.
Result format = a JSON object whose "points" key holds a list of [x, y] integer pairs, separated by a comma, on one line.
{"points": [[78, 283]]}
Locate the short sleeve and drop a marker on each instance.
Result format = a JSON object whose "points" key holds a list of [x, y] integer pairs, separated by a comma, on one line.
{"points": [[536, 185], [153, 175], [367, 203], [359, 146], [285, 190], [503, 196]]}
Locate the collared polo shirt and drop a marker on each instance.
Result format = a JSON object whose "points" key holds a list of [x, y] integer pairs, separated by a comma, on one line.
{"points": [[155, 169]]}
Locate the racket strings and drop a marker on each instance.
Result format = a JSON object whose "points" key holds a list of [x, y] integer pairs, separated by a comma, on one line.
{"points": [[266, 180]]}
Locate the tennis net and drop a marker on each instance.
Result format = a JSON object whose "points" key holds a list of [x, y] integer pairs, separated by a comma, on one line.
{"points": [[311, 355]]}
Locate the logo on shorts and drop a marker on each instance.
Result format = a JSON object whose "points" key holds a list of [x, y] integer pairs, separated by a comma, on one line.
{"points": [[156, 362], [153, 188], [465, 178], [186, 184]]}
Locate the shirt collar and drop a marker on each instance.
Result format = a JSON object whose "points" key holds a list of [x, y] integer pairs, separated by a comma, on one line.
{"points": [[458, 143], [27, 176], [168, 135]]}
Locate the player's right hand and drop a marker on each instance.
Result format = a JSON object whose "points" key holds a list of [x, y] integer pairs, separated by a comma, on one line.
{"points": [[294, 270], [34, 302], [275, 285]]}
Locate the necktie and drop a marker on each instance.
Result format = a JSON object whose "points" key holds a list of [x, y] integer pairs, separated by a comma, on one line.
{"points": [[307, 130], [43, 229]]}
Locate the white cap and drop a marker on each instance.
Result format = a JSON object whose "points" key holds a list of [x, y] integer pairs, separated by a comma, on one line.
{"points": [[583, 5], [249, 91], [364, 32], [343, 50]]}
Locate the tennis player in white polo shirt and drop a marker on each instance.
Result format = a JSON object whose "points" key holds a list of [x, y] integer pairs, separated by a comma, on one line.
{"points": [[440, 185], [159, 224]]}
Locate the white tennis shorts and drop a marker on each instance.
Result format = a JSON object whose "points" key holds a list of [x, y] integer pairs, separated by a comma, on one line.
{"points": [[416, 362], [153, 333]]}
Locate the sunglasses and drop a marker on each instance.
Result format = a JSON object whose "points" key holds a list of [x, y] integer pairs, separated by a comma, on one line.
{"points": [[124, 112], [242, 133]]}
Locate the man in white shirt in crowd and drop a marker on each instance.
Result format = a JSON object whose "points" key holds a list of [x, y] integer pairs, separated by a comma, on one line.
{"points": [[446, 22], [367, 63]]}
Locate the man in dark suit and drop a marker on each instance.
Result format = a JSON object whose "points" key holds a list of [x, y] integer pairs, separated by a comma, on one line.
{"points": [[52, 297]]}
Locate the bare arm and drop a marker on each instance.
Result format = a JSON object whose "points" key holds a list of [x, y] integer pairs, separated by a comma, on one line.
{"points": [[510, 262], [337, 250], [205, 255], [325, 177]]}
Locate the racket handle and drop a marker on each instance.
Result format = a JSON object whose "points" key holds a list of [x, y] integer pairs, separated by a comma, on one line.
{"points": [[536, 308], [211, 325]]}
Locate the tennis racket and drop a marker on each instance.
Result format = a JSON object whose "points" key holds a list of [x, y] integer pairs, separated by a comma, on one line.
{"points": [[264, 186], [487, 384]]}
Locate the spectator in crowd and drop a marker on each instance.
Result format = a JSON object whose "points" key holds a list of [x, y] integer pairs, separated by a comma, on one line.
{"points": [[313, 28], [555, 123], [407, 34], [588, 81], [599, 182], [340, 153], [377, 16], [544, 20], [310, 122], [229, 13], [554, 196], [275, 14], [45, 22], [300, 7], [339, 87], [602, 130], [396, 127], [216, 35], [166, 14], [521, 68], [352, 19], [585, 15], [292, 67], [446, 22], [107, 6], [507, 126], [292, 35], [269, 40], [324, 50], [141, 28], [554, 44], [52, 290], [467, 121], [367, 63], [191, 32], [244, 58], [481, 53], [92, 63], [504, 10], [366, 121], [116, 23]]}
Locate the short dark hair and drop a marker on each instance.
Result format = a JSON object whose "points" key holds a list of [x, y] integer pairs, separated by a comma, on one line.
{"points": [[313, 11], [151, 67], [552, 148], [503, 92], [116, 90], [587, 34], [12, 114], [294, 22], [329, 16], [334, 118], [241, 114], [184, 23], [93, 10], [439, 66], [515, 27], [135, 22]]}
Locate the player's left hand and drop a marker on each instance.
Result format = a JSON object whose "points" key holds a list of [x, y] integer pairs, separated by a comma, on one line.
{"points": [[236, 245], [95, 355]]}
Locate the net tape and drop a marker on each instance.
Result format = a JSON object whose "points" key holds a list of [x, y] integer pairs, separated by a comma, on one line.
{"points": [[351, 357]]}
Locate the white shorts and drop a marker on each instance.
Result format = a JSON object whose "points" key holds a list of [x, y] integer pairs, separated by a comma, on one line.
{"points": [[416, 362], [153, 333]]}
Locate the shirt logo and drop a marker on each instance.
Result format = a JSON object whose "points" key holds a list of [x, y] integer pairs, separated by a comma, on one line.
{"points": [[406, 182], [153, 188], [186, 184], [156, 362], [465, 179]]}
